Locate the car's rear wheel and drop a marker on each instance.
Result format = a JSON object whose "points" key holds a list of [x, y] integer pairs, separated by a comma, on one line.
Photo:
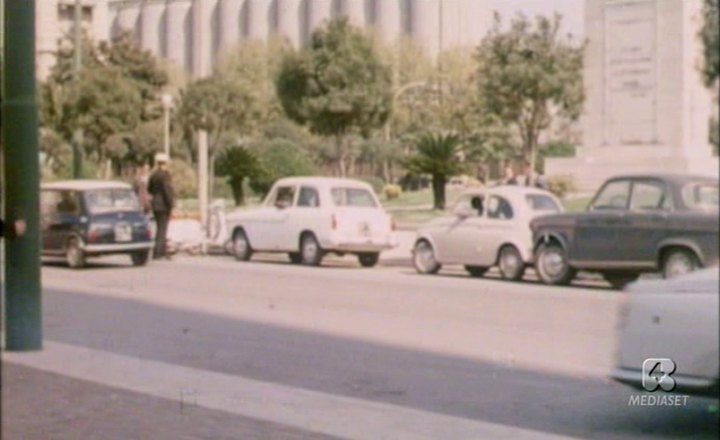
{"points": [[678, 262], [368, 259], [476, 271], [140, 258], [618, 280], [552, 266], [295, 257], [512, 266], [74, 254], [310, 250], [241, 246], [424, 258]]}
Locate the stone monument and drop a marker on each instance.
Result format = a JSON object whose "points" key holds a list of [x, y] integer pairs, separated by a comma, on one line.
{"points": [[646, 108]]}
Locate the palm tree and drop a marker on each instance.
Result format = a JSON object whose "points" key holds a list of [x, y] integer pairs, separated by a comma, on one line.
{"points": [[438, 155]]}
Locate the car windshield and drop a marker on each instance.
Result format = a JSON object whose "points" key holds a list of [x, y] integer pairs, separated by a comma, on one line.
{"points": [[109, 200], [353, 197], [701, 196], [539, 202]]}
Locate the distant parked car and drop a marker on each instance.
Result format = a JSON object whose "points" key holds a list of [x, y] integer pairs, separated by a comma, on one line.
{"points": [[487, 227], [634, 224], [676, 320], [89, 218], [307, 217]]}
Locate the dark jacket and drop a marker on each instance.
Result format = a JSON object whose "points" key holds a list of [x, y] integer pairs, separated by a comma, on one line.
{"points": [[161, 190]]}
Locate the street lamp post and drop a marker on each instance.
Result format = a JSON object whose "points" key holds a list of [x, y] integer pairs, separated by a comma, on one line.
{"points": [[167, 102]]}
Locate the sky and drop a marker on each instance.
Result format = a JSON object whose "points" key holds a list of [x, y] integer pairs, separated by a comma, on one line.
{"points": [[572, 11]]}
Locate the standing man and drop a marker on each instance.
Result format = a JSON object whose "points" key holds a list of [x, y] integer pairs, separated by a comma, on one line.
{"points": [[162, 202]]}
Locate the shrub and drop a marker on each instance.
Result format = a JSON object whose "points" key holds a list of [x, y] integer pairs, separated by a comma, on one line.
{"points": [[392, 191], [376, 183], [184, 179], [561, 184]]}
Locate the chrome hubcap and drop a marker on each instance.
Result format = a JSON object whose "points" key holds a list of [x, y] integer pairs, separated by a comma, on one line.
{"points": [[679, 265], [240, 246], [552, 263], [309, 249], [509, 262], [424, 257]]}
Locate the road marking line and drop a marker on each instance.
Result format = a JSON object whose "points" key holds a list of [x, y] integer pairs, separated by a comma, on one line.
{"points": [[329, 414]]}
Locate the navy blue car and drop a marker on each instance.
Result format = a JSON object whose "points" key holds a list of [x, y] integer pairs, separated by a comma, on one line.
{"points": [[89, 218]]}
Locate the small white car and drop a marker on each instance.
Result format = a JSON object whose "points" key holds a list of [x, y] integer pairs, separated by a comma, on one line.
{"points": [[668, 335], [487, 227], [308, 217]]}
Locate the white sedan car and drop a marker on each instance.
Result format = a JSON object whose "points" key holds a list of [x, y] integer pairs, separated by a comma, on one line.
{"points": [[307, 217], [668, 335], [487, 227]]}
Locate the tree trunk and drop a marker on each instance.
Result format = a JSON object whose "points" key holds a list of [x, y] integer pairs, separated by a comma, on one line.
{"points": [[236, 184], [438, 186]]}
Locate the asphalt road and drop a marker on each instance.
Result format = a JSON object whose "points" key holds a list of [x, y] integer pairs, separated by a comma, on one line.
{"points": [[513, 359]]}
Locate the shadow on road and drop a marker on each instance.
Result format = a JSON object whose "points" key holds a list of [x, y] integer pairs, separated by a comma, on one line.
{"points": [[342, 366]]}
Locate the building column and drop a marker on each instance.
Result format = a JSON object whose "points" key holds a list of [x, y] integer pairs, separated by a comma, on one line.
{"points": [[229, 17], [388, 19], [150, 22], [319, 11], [425, 24], [354, 10], [259, 19], [289, 19], [177, 39], [202, 37]]}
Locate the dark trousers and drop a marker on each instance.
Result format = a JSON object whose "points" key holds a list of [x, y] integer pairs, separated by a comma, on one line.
{"points": [[162, 218]]}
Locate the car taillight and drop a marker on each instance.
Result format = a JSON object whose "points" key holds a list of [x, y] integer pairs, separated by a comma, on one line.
{"points": [[333, 222], [93, 235]]}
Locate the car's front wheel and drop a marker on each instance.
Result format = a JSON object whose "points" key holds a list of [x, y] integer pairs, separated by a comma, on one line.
{"points": [[552, 266], [74, 255], [424, 258], [679, 262], [140, 258], [368, 259], [512, 266], [311, 254], [241, 246]]}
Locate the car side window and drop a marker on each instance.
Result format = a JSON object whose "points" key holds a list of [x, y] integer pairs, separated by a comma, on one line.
{"points": [[284, 196], [649, 196], [614, 195], [68, 204], [499, 208], [308, 197]]}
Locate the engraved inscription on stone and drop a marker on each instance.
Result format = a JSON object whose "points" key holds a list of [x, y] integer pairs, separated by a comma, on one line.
{"points": [[630, 72]]}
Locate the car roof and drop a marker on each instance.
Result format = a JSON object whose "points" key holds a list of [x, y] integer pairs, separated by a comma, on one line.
{"points": [[85, 185], [670, 177], [322, 181], [509, 191]]}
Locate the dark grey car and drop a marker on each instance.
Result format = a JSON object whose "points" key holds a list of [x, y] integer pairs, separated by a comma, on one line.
{"points": [[634, 224]]}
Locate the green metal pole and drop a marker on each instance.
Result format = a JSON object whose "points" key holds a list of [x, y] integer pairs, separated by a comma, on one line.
{"points": [[22, 178]]}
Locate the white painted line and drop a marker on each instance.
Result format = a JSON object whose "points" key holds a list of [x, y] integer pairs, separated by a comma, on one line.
{"points": [[309, 410]]}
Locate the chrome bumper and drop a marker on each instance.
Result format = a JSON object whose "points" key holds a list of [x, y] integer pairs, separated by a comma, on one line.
{"points": [[116, 248]]}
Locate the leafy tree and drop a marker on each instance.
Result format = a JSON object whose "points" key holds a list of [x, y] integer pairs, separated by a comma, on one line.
{"points": [[337, 86], [102, 103], [237, 164], [528, 75], [438, 155], [710, 35], [277, 159]]}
